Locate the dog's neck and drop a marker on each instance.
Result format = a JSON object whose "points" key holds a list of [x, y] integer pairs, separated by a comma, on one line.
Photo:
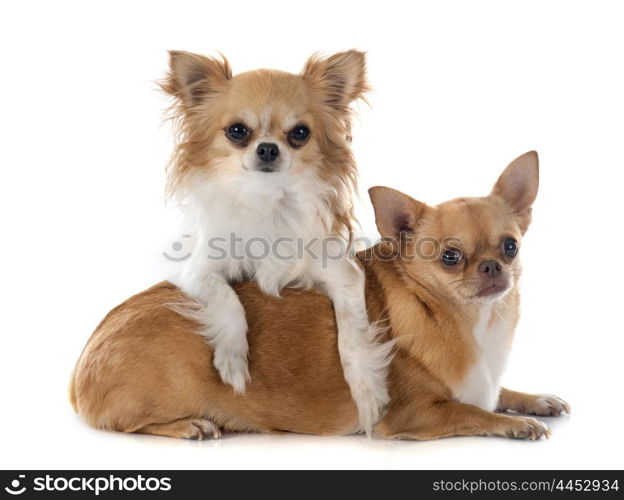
{"points": [[269, 204]]}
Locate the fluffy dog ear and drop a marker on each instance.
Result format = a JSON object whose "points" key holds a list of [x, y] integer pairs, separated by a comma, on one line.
{"points": [[518, 185], [192, 77], [396, 214], [339, 79]]}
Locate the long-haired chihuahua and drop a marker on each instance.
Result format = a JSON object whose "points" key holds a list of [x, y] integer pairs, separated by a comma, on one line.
{"points": [[263, 166]]}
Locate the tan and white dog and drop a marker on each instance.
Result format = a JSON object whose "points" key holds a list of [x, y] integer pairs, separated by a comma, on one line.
{"points": [[264, 170], [451, 318]]}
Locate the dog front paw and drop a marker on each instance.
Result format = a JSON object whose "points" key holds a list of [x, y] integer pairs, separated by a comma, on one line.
{"points": [[365, 370], [548, 405], [370, 408], [526, 428], [370, 395], [544, 405], [233, 368], [226, 331]]}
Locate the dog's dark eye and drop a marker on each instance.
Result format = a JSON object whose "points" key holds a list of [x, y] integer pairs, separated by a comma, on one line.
{"points": [[298, 135], [237, 132], [451, 257], [510, 247]]}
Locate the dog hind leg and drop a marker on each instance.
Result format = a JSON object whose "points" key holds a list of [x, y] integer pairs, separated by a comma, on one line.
{"points": [[185, 428]]}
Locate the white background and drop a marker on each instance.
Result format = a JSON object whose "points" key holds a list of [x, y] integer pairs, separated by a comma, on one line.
{"points": [[460, 89]]}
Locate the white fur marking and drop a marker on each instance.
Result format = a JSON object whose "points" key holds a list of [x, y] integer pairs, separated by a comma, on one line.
{"points": [[492, 334]]}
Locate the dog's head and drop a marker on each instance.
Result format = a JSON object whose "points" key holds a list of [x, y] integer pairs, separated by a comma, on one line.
{"points": [[465, 248], [263, 126]]}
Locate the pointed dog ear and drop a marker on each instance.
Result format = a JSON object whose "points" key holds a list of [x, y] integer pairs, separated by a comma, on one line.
{"points": [[518, 186], [339, 79], [192, 77], [395, 212]]}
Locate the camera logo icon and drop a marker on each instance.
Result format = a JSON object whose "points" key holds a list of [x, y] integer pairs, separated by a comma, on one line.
{"points": [[15, 489], [178, 247]]}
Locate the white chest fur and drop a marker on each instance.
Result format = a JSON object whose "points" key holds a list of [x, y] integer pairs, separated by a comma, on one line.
{"points": [[492, 334], [270, 230]]}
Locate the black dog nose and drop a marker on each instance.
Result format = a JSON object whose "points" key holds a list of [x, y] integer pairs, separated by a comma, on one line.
{"points": [[267, 152], [490, 267]]}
